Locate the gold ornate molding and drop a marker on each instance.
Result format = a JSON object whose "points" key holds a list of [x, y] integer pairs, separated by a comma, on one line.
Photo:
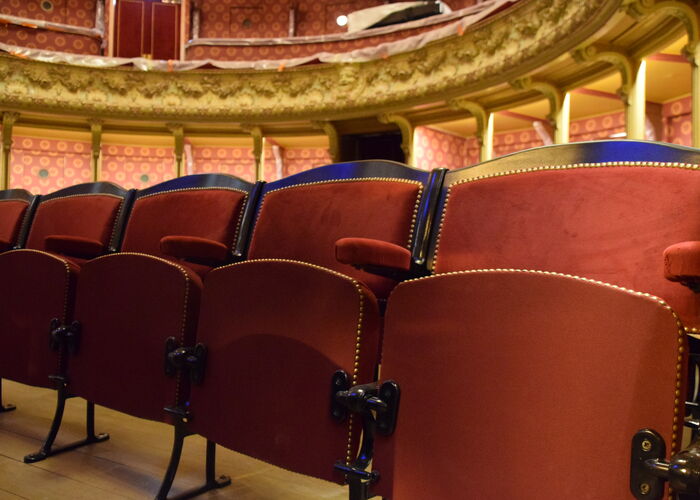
{"points": [[497, 50]]}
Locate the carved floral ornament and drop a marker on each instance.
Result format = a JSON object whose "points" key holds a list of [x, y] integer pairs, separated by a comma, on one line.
{"points": [[498, 50]]}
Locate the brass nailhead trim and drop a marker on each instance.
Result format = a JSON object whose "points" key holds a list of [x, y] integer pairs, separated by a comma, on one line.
{"points": [[185, 301], [202, 188], [116, 221], [15, 199], [42, 202], [659, 301], [360, 319], [362, 179], [657, 164]]}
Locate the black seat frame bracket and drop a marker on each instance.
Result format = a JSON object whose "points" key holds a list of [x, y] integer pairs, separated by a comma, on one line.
{"points": [[378, 406]]}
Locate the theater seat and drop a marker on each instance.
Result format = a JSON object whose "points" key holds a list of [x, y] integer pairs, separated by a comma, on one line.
{"points": [[36, 306], [547, 336], [130, 303], [279, 326], [16, 211], [526, 385], [41, 284]]}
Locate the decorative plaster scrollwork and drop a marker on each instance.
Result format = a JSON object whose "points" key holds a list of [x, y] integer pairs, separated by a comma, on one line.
{"points": [[497, 50]]}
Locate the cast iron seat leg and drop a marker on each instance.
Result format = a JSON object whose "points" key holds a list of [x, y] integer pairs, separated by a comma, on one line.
{"points": [[47, 448], [211, 481], [5, 407]]}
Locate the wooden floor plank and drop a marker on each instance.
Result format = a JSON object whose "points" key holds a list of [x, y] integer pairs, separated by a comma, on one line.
{"points": [[130, 464]]}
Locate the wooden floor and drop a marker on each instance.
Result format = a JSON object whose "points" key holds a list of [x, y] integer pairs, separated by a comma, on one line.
{"points": [[130, 464]]}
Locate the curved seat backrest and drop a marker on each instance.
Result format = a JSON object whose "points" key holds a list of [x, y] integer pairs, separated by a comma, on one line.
{"points": [[602, 210], [16, 207], [205, 205], [92, 210], [302, 216]]}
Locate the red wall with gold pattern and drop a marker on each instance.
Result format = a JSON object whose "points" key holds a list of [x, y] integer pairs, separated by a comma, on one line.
{"points": [[43, 165], [79, 13], [597, 127], [270, 19], [136, 166], [436, 149], [299, 159], [677, 121], [518, 140]]}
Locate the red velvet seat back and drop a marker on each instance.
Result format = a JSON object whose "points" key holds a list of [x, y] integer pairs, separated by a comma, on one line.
{"points": [[12, 211], [525, 385], [303, 221], [606, 220], [276, 332], [206, 212], [91, 215]]}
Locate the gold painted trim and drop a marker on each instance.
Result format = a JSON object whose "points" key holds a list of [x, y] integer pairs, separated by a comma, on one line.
{"points": [[497, 50]]}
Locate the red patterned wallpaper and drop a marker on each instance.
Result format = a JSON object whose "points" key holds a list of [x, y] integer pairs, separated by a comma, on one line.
{"points": [[239, 161], [597, 127], [74, 12], [236, 161], [222, 19], [677, 121], [519, 140], [299, 159], [433, 149], [48, 40], [44, 165], [137, 166]]}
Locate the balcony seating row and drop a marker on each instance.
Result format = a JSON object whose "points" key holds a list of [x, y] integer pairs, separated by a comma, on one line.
{"points": [[525, 339]]}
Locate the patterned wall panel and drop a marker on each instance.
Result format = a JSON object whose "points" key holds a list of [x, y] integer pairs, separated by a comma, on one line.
{"points": [[137, 166], [74, 12], [45, 165], [221, 19], [299, 159], [433, 149], [677, 121], [236, 161], [597, 128], [511, 142]]}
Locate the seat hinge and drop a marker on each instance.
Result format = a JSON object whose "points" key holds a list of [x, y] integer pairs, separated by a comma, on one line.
{"points": [[190, 358]]}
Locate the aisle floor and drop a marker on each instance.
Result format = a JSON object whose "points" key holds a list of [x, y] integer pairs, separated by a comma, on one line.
{"points": [[130, 464]]}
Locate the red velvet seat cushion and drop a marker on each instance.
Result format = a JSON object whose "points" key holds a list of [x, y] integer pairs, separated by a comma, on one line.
{"points": [[37, 287], [85, 216], [211, 213], [194, 249], [303, 222], [608, 223], [682, 262], [74, 246], [5, 245], [11, 215], [363, 252], [128, 304], [524, 385], [276, 332]]}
